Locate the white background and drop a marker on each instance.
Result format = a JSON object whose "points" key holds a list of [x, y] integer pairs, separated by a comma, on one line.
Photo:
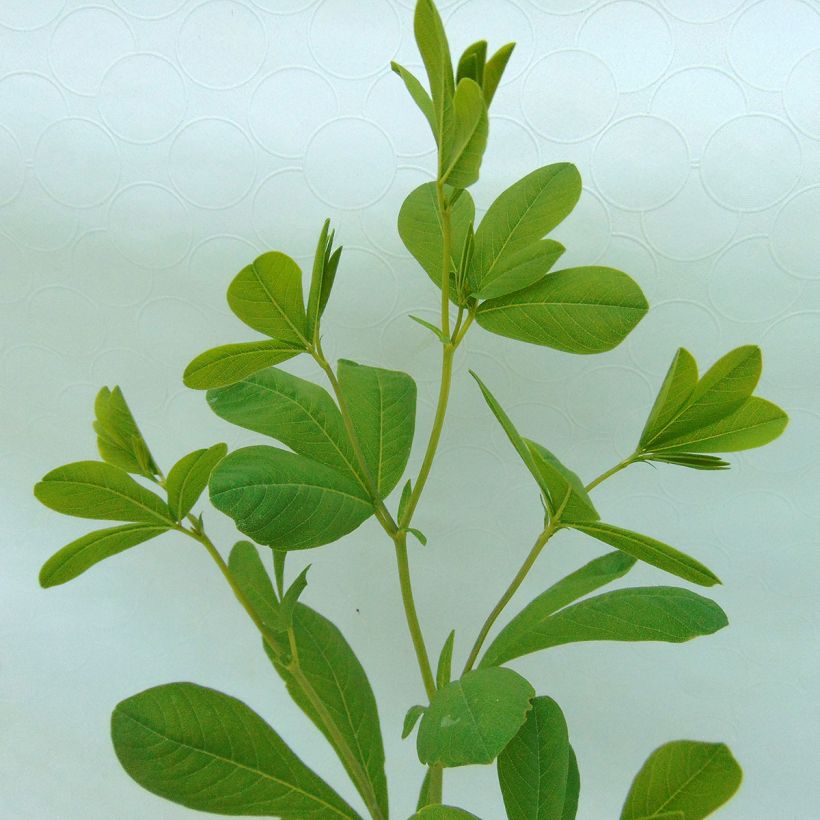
{"points": [[148, 150]]}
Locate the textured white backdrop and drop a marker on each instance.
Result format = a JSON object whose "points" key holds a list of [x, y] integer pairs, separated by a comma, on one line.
{"points": [[150, 148]]}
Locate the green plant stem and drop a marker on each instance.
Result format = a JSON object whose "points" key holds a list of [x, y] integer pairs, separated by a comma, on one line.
{"points": [[610, 472]]}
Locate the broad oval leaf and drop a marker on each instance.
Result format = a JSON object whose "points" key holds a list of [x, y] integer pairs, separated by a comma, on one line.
{"points": [[285, 500], [208, 751], [463, 159], [526, 212], [577, 310], [296, 412], [382, 407], [440, 812], [188, 478], [267, 296], [534, 768], [667, 614], [685, 778], [472, 719], [229, 364], [331, 667], [119, 439], [95, 489], [78, 556], [522, 269], [651, 551]]}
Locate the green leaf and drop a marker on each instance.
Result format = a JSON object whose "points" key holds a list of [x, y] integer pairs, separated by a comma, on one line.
{"points": [[573, 788], [94, 489], [533, 769], [651, 551], [597, 573], [249, 574], [418, 535], [279, 557], [463, 159], [119, 439], [522, 269], [666, 614], [424, 791], [267, 296], [406, 492], [382, 407], [722, 390], [411, 719], [285, 500], [208, 751], [524, 213], [291, 598], [75, 558], [472, 719], [471, 62], [560, 483], [332, 669], [420, 228], [445, 661], [686, 778], [296, 412], [325, 263], [436, 331], [189, 477], [418, 92], [678, 386], [692, 460], [494, 70], [229, 364], [578, 310], [440, 812]]}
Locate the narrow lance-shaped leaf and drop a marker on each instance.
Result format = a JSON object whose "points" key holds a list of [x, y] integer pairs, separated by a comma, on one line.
{"points": [[249, 574], [418, 93], [119, 439], [411, 719], [323, 274], [285, 500], [471, 63], [678, 385], [332, 669], [78, 556], [445, 661], [291, 598], [472, 719], [208, 751], [686, 779], [231, 363], [692, 460], [188, 478], [463, 160], [533, 769], [666, 614], [441, 812], [95, 489], [651, 551], [494, 70], [573, 787], [577, 310], [563, 487]]}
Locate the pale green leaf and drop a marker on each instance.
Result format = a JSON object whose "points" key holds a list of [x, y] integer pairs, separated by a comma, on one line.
{"points": [[651, 551], [188, 478], [418, 93], [527, 211], [325, 263], [119, 439], [472, 719], [285, 500], [666, 614], [267, 296], [561, 486], [463, 159], [382, 407], [251, 577], [679, 384], [332, 669], [494, 70], [95, 489], [231, 363], [533, 769], [411, 719], [208, 751], [471, 63], [445, 661], [436, 331], [75, 558], [441, 812], [578, 310], [685, 778], [522, 269]]}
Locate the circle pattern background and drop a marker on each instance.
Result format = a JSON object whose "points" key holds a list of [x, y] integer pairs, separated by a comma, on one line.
{"points": [[149, 149]]}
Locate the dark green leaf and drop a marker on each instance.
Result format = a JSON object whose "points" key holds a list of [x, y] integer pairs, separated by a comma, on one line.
{"points": [[592, 576], [249, 574], [445, 661], [573, 788], [208, 751], [472, 719], [419, 94], [229, 364], [291, 598], [684, 778], [653, 552], [578, 310], [522, 269], [411, 719], [494, 70], [533, 769], [285, 500], [561, 486], [665, 614], [521, 215], [267, 296], [471, 63], [332, 669], [692, 460], [463, 159], [188, 478], [424, 791], [279, 557], [94, 489], [678, 386], [75, 558], [119, 439], [382, 406], [440, 812], [406, 492]]}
